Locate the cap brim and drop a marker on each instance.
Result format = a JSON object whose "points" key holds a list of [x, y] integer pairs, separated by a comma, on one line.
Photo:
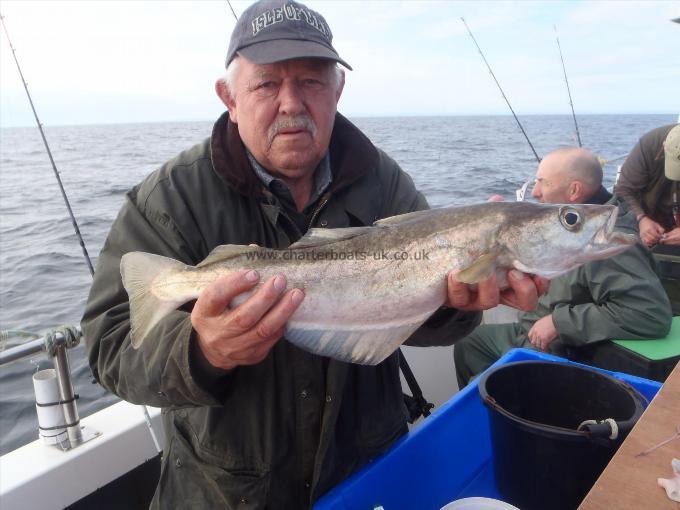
{"points": [[269, 52]]}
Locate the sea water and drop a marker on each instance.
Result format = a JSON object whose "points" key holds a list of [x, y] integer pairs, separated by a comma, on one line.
{"points": [[44, 280]]}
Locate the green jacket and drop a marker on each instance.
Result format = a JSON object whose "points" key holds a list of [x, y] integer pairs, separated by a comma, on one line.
{"points": [[618, 297], [280, 433]]}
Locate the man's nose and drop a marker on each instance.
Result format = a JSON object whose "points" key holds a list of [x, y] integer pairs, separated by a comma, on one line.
{"points": [[535, 192], [291, 100]]}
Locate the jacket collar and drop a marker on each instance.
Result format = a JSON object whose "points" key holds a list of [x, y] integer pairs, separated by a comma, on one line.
{"points": [[352, 156], [601, 197]]}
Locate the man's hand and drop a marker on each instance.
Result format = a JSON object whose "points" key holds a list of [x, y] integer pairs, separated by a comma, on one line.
{"points": [[542, 333], [522, 294], [650, 231], [245, 334], [672, 237]]}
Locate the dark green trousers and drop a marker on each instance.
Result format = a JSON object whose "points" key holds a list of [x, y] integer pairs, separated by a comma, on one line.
{"points": [[480, 349]]}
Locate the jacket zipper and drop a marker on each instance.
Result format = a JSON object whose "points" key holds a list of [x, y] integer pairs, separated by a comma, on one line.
{"points": [[316, 212]]}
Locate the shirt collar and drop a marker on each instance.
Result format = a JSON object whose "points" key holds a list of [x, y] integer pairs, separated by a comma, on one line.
{"points": [[322, 178]]}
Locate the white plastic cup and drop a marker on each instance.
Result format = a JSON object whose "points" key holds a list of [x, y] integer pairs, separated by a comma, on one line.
{"points": [[479, 504], [46, 389]]}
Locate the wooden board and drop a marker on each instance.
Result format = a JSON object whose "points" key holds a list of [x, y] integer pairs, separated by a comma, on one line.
{"points": [[629, 482]]}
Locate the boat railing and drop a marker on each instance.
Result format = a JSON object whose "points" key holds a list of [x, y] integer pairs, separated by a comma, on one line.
{"points": [[31, 347]]}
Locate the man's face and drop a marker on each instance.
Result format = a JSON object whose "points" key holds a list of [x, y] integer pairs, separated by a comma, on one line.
{"points": [[285, 113], [550, 187]]}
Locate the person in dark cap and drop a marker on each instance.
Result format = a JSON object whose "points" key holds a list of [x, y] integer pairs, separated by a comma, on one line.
{"points": [[252, 421]]}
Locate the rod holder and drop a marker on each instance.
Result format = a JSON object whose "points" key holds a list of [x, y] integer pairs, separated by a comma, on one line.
{"points": [[51, 423], [68, 399]]}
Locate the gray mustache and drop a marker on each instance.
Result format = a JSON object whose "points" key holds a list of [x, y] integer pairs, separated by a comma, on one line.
{"points": [[297, 122]]}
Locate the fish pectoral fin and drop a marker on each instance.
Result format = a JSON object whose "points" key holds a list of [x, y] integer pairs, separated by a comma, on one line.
{"points": [[321, 236], [225, 252], [482, 267], [365, 345], [138, 271]]}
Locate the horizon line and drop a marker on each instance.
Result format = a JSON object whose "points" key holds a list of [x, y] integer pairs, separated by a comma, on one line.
{"points": [[361, 116]]}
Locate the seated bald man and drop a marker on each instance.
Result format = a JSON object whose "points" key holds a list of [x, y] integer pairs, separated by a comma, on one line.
{"points": [[620, 297]]}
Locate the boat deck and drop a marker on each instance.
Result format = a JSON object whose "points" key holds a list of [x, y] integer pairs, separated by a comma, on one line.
{"points": [[629, 481]]}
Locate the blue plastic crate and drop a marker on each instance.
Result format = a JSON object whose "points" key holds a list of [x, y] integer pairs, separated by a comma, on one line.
{"points": [[447, 457]]}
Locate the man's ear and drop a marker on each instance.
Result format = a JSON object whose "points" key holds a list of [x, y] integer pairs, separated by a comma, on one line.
{"points": [[575, 192], [341, 85], [226, 97]]}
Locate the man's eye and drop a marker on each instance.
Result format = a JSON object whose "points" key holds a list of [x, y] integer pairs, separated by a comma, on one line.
{"points": [[266, 88], [312, 82]]}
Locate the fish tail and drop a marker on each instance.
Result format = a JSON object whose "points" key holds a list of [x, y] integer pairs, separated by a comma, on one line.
{"points": [[139, 271]]}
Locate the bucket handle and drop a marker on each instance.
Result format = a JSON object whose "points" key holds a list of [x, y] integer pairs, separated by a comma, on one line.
{"points": [[600, 429], [609, 428]]}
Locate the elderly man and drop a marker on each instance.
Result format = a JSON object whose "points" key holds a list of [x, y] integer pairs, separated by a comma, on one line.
{"points": [[251, 420], [620, 297]]}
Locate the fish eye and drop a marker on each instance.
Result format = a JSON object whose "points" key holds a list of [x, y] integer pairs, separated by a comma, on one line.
{"points": [[570, 218]]}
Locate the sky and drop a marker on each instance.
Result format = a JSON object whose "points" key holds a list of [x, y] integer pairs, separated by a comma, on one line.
{"points": [[100, 62]]}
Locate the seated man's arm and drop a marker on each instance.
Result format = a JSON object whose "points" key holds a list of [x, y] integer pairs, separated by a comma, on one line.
{"points": [[628, 301]]}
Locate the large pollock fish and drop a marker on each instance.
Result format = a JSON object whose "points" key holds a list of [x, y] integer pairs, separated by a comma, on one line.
{"points": [[367, 289]]}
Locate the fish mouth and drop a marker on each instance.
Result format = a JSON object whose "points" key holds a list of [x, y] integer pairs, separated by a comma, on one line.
{"points": [[606, 236]]}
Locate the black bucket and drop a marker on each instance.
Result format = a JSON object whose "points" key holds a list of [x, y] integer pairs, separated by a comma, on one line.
{"points": [[541, 460]]}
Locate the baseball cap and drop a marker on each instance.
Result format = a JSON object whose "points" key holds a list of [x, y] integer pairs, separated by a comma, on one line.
{"points": [[671, 149], [275, 30]]}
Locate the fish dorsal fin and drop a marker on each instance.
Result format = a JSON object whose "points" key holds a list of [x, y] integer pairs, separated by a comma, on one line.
{"points": [[402, 218], [321, 236], [226, 251], [482, 267]]}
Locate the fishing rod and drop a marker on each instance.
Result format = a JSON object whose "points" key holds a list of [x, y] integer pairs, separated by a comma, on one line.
{"points": [[566, 80], [145, 411], [538, 159], [49, 152], [232, 10]]}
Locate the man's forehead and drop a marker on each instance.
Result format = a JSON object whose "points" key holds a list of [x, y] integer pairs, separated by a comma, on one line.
{"points": [[541, 172], [551, 167]]}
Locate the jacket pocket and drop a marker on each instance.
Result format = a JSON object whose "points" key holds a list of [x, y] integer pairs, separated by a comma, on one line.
{"points": [[189, 481]]}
